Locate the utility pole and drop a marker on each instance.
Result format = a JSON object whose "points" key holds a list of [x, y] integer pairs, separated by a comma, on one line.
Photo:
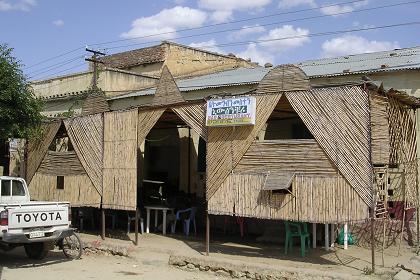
{"points": [[95, 61]]}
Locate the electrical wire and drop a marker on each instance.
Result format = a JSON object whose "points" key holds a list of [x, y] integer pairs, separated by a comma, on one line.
{"points": [[54, 66], [65, 70], [233, 29], [226, 23], [52, 58], [293, 37]]}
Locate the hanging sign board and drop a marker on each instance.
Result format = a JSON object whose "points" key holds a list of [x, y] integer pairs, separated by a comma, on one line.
{"points": [[231, 111]]}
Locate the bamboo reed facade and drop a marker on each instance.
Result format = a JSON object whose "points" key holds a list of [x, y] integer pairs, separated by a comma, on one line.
{"points": [[330, 175], [120, 160], [194, 116], [61, 164], [78, 190], [314, 198], [339, 119], [37, 148], [380, 134]]}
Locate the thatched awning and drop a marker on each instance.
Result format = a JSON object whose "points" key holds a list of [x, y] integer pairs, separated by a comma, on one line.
{"points": [[278, 181]]}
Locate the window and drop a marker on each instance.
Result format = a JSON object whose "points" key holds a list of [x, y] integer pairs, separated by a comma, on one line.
{"points": [[17, 188], [60, 182], [5, 188]]}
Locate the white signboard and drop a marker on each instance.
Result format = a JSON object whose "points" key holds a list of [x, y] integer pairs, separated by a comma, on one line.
{"points": [[231, 111]]}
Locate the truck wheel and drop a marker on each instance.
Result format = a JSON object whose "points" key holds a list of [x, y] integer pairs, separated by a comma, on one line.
{"points": [[36, 251]]}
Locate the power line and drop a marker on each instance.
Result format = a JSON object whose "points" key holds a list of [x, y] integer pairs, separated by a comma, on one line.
{"points": [[52, 58], [268, 24], [298, 37], [229, 22], [236, 29], [195, 28], [53, 74], [328, 33], [54, 66]]}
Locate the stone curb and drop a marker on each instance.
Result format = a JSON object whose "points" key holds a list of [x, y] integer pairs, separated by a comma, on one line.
{"points": [[236, 269], [107, 248]]}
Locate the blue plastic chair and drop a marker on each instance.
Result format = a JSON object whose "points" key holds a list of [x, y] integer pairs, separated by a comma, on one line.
{"points": [[186, 221], [299, 230]]}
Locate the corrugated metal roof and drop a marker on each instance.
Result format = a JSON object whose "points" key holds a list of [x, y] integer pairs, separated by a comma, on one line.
{"points": [[240, 76], [399, 59]]}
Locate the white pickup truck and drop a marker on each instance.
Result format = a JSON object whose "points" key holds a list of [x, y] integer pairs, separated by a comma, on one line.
{"points": [[36, 225]]}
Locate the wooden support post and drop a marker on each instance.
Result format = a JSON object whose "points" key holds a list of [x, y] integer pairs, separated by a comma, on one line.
{"points": [[346, 238], [418, 228], [314, 235], [332, 241], [103, 224], [136, 225], [207, 234], [327, 237], [372, 234]]}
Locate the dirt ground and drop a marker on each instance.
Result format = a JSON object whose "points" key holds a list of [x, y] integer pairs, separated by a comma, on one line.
{"points": [[149, 260], [148, 265]]}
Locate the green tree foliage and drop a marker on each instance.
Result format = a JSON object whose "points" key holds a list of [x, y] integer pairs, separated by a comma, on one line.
{"points": [[19, 109]]}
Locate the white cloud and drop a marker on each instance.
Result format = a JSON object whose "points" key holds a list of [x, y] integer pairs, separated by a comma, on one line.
{"points": [[58, 22], [287, 4], [221, 16], [232, 5], [210, 45], [167, 20], [223, 9], [256, 54], [333, 10], [350, 44], [278, 35], [22, 5], [246, 31]]}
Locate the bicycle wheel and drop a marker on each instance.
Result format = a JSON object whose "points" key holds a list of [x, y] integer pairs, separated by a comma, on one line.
{"points": [[72, 246]]}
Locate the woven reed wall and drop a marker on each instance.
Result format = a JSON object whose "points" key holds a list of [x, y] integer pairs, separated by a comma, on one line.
{"points": [[285, 155], [37, 148], [194, 116], [339, 119], [78, 190], [283, 78], [120, 160], [95, 103], [318, 199], [86, 135], [61, 164], [227, 145], [146, 120], [402, 124], [380, 133], [167, 91]]}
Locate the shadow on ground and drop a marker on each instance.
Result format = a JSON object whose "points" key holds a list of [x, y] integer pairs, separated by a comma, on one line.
{"points": [[250, 250], [17, 258]]}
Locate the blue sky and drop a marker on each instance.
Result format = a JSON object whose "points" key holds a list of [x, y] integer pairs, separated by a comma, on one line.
{"points": [[40, 30]]}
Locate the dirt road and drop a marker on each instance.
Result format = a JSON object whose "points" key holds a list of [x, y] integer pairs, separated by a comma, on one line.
{"points": [[15, 266]]}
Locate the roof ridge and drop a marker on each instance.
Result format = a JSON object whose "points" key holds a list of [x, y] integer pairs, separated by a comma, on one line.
{"points": [[403, 52]]}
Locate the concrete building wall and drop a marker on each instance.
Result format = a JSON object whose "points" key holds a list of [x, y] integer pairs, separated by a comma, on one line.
{"points": [[113, 82], [184, 62], [150, 69], [408, 81]]}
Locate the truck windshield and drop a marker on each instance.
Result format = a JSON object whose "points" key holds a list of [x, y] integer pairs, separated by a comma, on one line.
{"points": [[5, 187], [17, 188]]}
